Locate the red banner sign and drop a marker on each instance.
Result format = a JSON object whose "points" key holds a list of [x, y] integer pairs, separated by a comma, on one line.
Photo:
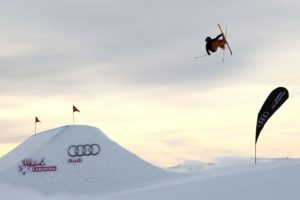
{"points": [[29, 165]]}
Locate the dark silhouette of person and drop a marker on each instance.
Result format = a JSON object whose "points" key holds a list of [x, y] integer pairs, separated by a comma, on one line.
{"points": [[213, 44]]}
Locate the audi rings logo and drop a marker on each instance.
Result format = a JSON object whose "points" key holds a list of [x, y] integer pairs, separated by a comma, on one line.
{"points": [[84, 150], [263, 118]]}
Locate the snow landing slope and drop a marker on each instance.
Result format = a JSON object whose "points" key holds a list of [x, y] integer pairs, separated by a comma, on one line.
{"points": [[276, 180], [75, 159]]}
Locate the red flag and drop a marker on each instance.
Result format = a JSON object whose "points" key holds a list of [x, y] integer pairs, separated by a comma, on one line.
{"points": [[75, 109], [37, 120]]}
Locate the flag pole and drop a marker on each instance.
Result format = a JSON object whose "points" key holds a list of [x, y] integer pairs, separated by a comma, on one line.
{"points": [[255, 152], [36, 121], [74, 110], [73, 117]]}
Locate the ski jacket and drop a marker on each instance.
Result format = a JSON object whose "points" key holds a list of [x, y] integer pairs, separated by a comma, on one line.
{"points": [[209, 45]]}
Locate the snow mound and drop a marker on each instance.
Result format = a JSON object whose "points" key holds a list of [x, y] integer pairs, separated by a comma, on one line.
{"points": [[75, 159]]}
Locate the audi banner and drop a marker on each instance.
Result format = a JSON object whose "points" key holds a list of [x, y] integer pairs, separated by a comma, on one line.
{"points": [[275, 99]]}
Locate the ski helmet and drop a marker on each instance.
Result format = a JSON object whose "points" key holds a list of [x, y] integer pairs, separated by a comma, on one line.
{"points": [[208, 39]]}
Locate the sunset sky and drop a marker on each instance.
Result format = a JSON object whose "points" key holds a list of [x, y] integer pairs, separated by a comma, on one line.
{"points": [[129, 67]]}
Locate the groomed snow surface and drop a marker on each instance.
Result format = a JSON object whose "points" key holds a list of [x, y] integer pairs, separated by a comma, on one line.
{"points": [[80, 162]]}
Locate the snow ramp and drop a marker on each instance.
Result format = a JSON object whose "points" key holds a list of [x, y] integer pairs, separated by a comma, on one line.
{"points": [[75, 159]]}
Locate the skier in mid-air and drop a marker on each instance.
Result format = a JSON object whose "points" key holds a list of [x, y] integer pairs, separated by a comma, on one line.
{"points": [[213, 44]]}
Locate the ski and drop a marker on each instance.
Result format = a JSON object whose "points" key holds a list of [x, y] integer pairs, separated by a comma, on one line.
{"points": [[224, 47], [225, 38]]}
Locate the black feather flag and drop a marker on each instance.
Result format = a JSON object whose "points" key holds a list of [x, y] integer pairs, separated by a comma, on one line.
{"points": [[275, 99]]}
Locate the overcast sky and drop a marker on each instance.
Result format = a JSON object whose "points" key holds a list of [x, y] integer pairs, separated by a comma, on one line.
{"points": [[129, 67]]}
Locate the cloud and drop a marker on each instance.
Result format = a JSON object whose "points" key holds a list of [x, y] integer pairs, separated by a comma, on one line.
{"points": [[126, 56], [63, 40]]}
